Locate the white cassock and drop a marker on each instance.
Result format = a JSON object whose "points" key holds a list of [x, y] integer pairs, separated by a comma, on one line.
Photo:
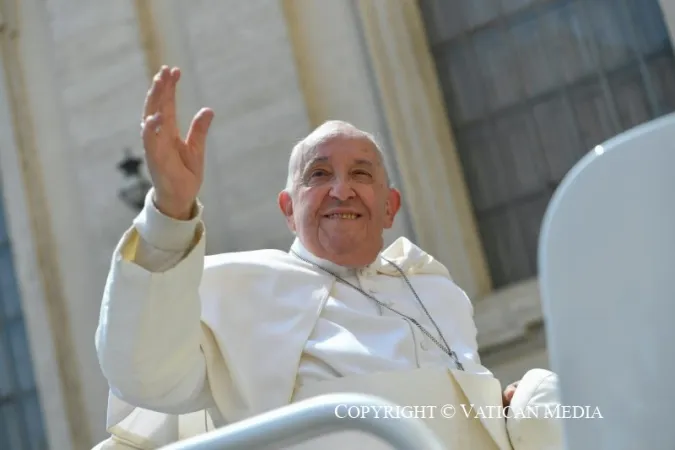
{"points": [[266, 328]]}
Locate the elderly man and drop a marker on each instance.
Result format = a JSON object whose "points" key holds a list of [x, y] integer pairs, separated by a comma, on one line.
{"points": [[242, 333]]}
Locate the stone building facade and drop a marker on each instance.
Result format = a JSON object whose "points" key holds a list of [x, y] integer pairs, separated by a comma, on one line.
{"points": [[482, 107]]}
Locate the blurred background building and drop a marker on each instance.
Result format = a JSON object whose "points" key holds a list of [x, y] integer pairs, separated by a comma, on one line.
{"points": [[482, 105]]}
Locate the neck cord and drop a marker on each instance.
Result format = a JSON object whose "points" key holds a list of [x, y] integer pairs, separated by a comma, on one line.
{"points": [[443, 346]]}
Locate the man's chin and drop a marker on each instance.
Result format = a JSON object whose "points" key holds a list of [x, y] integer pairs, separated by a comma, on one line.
{"points": [[346, 245], [341, 230]]}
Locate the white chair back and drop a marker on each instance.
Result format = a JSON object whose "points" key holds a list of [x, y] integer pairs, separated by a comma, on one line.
{"points": [[607, 280]]}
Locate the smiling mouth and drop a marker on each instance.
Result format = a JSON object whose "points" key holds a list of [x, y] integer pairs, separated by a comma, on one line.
{"points": [[343, 216]]}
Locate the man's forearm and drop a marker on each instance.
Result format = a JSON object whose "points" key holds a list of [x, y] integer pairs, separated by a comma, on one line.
{"points": [[149, 335]]}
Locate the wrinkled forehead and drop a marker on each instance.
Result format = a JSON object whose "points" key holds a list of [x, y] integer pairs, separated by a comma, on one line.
{"points": [[357, 147]]}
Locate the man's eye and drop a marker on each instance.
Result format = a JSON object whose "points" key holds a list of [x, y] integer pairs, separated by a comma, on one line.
{"points": [[362, 173], [318, 173]]}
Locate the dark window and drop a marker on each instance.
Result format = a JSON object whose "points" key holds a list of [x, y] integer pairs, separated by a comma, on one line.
{"points": [[531, 86]]}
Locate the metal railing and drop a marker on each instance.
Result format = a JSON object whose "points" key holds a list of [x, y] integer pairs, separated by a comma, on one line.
{"points": [[308, 419]]}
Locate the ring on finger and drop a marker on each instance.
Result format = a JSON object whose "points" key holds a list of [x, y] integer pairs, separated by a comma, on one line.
{"points": [[158, 128]]}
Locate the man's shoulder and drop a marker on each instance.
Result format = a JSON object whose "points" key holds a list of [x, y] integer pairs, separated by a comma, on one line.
{"points": [[264, 258], [242, 267]]}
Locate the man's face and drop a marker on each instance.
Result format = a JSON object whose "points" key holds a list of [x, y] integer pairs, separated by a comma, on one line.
{"points": [[342, 202]]}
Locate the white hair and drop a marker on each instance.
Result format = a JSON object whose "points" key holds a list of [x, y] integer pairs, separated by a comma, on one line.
{"points": [[321, 134]]}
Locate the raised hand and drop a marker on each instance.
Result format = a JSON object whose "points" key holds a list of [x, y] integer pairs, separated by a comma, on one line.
{"points": [[176, 165]]}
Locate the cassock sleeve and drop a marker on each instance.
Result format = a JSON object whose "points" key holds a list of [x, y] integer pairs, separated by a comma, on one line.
{"points": [[149, 334]]}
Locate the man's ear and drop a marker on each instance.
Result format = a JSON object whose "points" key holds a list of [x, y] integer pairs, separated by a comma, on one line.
{"points": [[286, 206], [393, 205]]}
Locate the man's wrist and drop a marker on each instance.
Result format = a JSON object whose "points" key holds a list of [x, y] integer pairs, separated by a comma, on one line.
{"points": [[165, 232], [176, 212]]}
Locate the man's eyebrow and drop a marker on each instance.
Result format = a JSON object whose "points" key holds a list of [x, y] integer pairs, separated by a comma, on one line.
{"points": [[317, 159], [310, 163], [365, 162]]}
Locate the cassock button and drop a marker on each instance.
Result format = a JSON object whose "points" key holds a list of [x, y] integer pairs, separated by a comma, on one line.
{"points": [[424, 345]]}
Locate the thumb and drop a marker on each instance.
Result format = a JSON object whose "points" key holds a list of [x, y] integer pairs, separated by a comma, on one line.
{"points": [[196, 137]]}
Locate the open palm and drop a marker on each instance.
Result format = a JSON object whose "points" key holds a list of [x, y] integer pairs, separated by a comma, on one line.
{"points": [[176, 165]]}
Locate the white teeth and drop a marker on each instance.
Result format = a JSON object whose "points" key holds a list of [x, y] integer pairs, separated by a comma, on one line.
{"points": [[343, 216]]}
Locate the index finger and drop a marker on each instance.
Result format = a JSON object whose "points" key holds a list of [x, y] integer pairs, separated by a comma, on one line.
{"points": [[154, 96]]}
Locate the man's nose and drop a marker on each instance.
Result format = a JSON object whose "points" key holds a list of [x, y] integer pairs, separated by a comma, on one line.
{"points": [[341, 190]]}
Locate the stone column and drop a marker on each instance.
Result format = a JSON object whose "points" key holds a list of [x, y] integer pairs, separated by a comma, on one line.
{"points": [[438, 200]]}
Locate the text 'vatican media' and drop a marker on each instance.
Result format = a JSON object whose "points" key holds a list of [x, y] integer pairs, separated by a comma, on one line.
{"points": [[466, 410]]}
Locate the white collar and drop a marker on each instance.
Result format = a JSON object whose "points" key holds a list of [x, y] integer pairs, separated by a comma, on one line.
{"points": [[406, 255], [305, 254]]}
